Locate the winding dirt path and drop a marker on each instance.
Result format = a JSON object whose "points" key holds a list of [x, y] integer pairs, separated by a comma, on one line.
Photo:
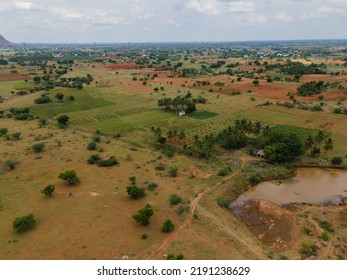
{"points": [[167, 241]]}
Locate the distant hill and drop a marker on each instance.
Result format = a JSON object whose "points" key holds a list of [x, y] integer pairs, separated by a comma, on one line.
{"points": [[4, 42]]}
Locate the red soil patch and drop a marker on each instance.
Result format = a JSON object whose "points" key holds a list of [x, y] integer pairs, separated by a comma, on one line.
{"points": [[322, 77], [199, 174], [6, 77]]}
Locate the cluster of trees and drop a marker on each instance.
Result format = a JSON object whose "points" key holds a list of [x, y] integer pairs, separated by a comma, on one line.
{"points": [[21, 114], [97, 160], [298, 68], [179, 103], [321, 140], [312, 88]]}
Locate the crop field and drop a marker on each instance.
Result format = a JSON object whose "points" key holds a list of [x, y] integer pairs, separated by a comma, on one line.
{"points": [[157, 117]]}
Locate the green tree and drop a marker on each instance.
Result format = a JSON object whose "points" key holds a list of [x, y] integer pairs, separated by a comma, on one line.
{"points": [[63, 121], [173, 171], [59, 96], [143, 215], [328, 146], [135, 192], [168, 226], [24, 223], [48, 191], [70, 176], [175, 199]]}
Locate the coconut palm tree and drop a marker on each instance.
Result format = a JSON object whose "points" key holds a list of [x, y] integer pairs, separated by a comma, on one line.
{"points": [[328, 145], [309, 144]]}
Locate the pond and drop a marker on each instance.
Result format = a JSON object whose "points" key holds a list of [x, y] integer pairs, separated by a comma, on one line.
{"points": [[310, 185]]}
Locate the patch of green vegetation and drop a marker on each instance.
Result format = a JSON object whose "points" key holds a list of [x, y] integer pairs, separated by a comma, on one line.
{"points": [[83, 101], [204, 115], [302, 133]]}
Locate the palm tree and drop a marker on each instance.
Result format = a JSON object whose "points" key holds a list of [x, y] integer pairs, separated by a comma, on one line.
{"points": [[266, 130], [328, 145], [309, 144], [320, 137]]}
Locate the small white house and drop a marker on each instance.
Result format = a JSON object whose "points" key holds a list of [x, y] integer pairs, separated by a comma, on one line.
{"points": [[260, 153], [182, 113]]}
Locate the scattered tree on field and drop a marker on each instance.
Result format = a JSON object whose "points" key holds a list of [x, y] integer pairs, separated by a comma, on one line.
{"points": [[143, 215], [24, 223], [70, 176]]}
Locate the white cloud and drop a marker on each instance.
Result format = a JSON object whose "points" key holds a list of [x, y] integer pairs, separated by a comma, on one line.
{"points": [[283, 16], [330, 10], [256, 18], [240, 6], [24, 5], [208, 7], [171, 22], [65, 13]]}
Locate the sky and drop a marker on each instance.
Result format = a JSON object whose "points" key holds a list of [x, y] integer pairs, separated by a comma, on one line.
{"points": [[89, 21]]}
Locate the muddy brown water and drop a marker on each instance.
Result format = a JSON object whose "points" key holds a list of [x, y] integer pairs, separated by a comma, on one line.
{"points": [[310, 185]]}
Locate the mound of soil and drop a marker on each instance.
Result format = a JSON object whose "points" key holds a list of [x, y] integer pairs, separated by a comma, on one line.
{"points": [[272, 224]]}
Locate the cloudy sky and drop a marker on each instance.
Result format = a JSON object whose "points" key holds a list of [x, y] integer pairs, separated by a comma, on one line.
{"points": [[54, 21]]}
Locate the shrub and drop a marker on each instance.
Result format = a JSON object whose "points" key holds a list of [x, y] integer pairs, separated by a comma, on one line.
{"points": [[93, 159], [43, 99], [3, 131], [135, 192], [144, 236], [254, 179], [16, 135], [325, 235], [132, 179], [326, 225], [143, 215], [167, 227], [48, 191], [63, 120], [308, 249], [24, 223], [11, 163], [173, 171], [223, 202], [152, 186], [91, 146], [107, 162], [175, 199], [38, 147], [223, 172], [336, 160], [70, 177]]}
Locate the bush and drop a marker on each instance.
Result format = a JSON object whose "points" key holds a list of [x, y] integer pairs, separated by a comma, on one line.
{"points": [[107, 162], [308, 249], [325, 235], [48, 191], [143, 215], [173, 171], [43, 99], [91, 146], [93, 159], [167, 227], [16, 135], [326, 226], [336, 160], [175, 199], [38, 147], [11, 163], [254, 179], [152, 186], [223, 202], [24, 223], [70, 177], [63, 120], [3, 131], [132, 179], [135, 192], [223, 172]]}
